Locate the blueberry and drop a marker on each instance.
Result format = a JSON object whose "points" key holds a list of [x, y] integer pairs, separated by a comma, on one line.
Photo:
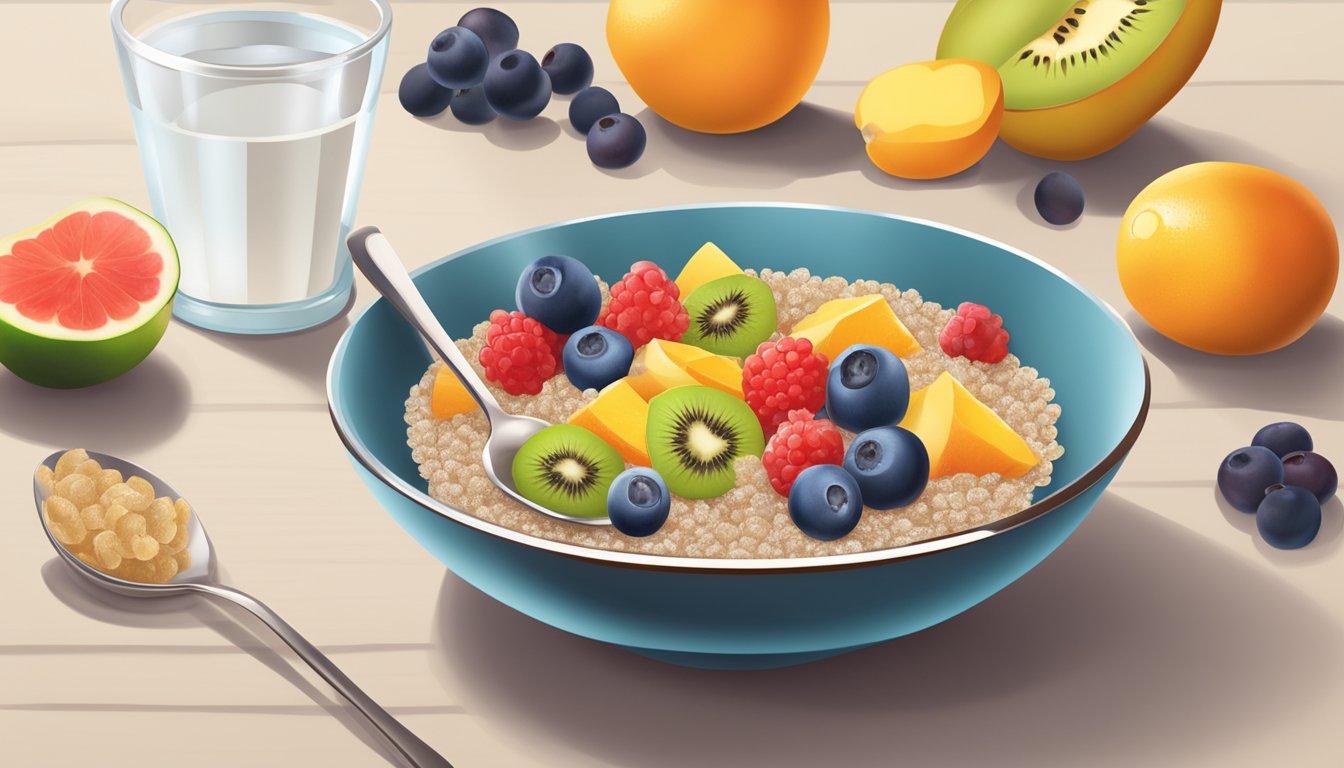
{"points": [[570, 68], [420, 95], [1059, 198], [867, 387], [596, 356], [590, 105], [891, 466], [1283, 438], [825, 502], [495, 28], [560, 292], [1288, 517], [516, 86], [638, 502], [457, 58], [470, 107], [1246, 473], [616, 141], [1311, 471]]}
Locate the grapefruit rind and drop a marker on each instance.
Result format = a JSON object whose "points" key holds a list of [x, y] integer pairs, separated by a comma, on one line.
{"points": [[51, 355]]}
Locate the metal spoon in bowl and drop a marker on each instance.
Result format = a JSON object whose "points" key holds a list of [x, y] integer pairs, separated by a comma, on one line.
{"points": [[200, 578], [374, 256]]}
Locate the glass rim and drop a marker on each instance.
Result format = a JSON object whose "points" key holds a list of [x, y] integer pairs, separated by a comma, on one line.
{"points": [[144, 50]]}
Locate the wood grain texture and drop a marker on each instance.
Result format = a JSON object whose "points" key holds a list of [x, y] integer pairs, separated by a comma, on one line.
{"points": [[1147, 639]]}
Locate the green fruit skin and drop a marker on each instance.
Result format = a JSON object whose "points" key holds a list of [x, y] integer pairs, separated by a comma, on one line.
{"points": [[993, 30], [71, 364]]}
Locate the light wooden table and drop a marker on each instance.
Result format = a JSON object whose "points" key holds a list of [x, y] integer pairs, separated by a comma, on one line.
{"points": [[1162, 633]]}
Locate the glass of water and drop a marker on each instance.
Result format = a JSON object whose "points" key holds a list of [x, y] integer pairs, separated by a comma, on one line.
{"points": [[253, 121]]}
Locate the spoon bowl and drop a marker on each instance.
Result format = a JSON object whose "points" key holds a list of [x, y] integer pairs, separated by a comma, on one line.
{"points": [[374, 256], [201, 578], [203, 568]]}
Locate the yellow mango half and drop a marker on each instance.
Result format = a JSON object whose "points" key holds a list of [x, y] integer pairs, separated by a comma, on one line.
{"points": [[962, 434], [620, 417], [668, 364], [708, 263], [841, 323], [449, 397]]}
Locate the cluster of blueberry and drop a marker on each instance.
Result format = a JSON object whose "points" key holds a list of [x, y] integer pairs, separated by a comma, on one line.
{"points": [[477, 70], [1280, 480]]}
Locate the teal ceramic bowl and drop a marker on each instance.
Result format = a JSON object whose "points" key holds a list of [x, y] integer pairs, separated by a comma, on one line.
{"points": [[743, 614]]}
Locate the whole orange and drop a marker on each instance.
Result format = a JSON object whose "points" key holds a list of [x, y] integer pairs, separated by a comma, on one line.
{"points": [[719, 66], [1228, 258]]}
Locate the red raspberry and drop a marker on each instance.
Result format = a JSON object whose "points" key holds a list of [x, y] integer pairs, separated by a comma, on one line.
{"points": [[802, 441], [520, 353], [782, 376], [646, 305], [975, 333]]}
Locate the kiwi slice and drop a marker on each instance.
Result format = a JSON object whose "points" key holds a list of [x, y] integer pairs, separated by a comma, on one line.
{"points": [[1053, 52], [731, 315], [694, 436], [567, 469]]}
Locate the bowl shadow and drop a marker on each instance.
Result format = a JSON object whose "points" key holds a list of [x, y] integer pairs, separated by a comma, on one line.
{"points": [[1063, 667], [1299, 378], [138, 410]]}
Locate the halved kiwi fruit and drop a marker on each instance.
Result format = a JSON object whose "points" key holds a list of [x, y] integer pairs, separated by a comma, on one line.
{"points": [[694, 436], [731, 315], [1080, 76], [567, 469]]}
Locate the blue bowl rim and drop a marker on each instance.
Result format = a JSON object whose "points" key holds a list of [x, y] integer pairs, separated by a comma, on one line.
{"points": [[669, 563]]}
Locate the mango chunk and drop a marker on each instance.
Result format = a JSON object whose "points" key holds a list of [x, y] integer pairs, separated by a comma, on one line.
{"points": [[963, 434], [620, 417], [841, 323], [931, 119], [668, 364], [708, 263], [449, 397]]}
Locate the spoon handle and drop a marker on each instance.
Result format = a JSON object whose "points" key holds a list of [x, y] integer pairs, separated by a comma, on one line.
{"points": [[374, 256], [416, 752]]}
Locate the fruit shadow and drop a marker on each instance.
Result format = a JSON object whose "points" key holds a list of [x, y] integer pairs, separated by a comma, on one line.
{"points": [[239, 629], [1135, 626], [1111, 180], [1302, 378], [1327, 542], [138, 410], [518, 136], [301, 355], [809, 142]]}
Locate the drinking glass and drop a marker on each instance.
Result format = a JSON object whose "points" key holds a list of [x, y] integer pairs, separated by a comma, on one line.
{"points": [[253, 120]]}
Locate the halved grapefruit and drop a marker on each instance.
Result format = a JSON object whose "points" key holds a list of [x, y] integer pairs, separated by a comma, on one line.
{"points": [[85, 296]]}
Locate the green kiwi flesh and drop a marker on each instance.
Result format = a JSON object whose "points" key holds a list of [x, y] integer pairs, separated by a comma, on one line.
{"points": [[1053, 52], [731, 315], [567, 469], [695, 434]]}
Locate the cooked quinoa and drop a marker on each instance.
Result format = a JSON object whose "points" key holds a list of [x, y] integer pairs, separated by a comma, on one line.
{"points": [[751, 520]]}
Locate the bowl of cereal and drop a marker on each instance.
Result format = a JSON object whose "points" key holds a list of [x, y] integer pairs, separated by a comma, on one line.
{"points": [[1021, 418]]}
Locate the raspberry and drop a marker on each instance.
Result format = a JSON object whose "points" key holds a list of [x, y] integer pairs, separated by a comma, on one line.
{"points": [[646, 305], [975, 333], [520, 353], [782, 376], [802, 441]]}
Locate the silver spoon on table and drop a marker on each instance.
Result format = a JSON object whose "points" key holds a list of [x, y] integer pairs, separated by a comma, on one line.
{"points": [[374, 256], [200, 578]]}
